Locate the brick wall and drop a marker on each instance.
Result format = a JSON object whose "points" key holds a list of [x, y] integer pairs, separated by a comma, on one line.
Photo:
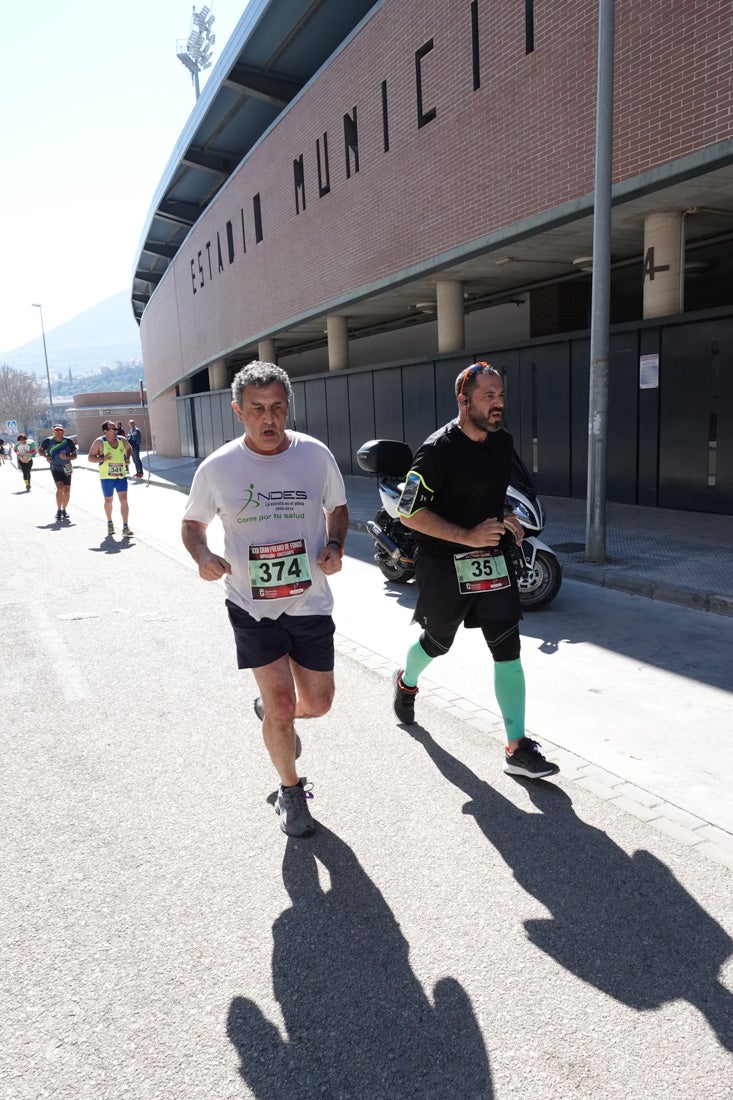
{"points": [[520, 144]]}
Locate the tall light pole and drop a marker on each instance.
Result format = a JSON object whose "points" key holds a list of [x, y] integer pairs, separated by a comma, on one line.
{"points": [[195, 52], [595, 527], [37, 306]]}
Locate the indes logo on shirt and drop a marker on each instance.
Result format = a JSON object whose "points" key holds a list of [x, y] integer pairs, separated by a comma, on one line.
{"points": [[281, 500]]}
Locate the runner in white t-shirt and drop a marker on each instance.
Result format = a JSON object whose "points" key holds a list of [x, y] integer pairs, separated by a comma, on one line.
{"points": [[281, 500]]}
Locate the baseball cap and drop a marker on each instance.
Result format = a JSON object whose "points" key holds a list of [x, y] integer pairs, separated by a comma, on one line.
{"points": [[58, 427]]}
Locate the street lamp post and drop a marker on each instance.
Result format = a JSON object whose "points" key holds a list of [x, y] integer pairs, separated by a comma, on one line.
{"points": [[37, 306]]}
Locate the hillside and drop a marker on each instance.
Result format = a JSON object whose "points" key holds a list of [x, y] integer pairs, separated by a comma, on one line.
{"points": [[104, 336], [124, 376]]}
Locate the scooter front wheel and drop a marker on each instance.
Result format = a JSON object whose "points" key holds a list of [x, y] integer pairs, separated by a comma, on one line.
{"points": [[542, 583]]}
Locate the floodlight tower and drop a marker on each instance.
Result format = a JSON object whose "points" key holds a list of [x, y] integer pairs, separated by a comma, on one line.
{"points": [[195, 52]]}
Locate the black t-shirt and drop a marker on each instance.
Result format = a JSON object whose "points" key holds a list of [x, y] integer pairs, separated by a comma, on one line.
{"points": [[463, 481]]}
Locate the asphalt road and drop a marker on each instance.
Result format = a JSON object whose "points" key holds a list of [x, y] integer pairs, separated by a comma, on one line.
{"points": [[447, 932]]}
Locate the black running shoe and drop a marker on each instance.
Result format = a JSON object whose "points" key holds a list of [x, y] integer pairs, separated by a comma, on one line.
{"points": [[403, 703], [260, 712], [59, 515], [527, 760], [292, 806]]}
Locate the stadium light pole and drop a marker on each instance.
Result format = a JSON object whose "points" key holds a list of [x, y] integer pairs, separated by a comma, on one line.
{"points": [[195, 52], [37, 306]]}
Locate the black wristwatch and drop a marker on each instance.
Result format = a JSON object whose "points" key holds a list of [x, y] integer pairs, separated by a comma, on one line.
{"points": [[335, 542]]}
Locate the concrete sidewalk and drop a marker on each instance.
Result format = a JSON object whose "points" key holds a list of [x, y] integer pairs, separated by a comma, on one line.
{"points": [[679, 557]]}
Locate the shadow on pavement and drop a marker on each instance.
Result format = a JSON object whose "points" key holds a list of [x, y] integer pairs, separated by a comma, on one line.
{"points": [[357, 1019], [622, 923], [568, 622], [109, 545]]}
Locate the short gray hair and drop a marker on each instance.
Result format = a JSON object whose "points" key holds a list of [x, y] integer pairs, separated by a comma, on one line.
{"points": [[259, 374]]}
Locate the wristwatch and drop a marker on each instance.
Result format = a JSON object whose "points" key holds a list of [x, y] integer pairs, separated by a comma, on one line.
{"points": [[340, 545]]}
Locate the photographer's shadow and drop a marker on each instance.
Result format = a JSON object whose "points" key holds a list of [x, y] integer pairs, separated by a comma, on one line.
{"points": [[622, 923], [358, 1021]]}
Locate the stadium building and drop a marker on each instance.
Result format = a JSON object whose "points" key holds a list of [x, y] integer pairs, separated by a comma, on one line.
{"points": [[374, 195]]}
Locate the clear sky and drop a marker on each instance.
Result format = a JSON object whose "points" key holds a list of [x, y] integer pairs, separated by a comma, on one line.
{"points": [[92, 101]]}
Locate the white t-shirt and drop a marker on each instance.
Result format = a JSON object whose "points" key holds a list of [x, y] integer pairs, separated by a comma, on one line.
{"points": [[272, 510]]}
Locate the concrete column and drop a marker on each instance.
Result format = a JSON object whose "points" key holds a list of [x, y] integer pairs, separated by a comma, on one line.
{"points": [[338, 343], [266, 351], [663, 276], [218, 375], [184, 387], [451, 331]]}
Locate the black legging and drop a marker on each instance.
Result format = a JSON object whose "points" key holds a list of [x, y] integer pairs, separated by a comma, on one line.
{"points": [[25, 468]]}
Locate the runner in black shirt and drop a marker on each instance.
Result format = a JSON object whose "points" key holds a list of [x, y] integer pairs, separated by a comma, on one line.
{"points": [[453, 499]]}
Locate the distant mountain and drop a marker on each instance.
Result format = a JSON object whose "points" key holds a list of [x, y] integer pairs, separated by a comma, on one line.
{"points": [[103, 336]]}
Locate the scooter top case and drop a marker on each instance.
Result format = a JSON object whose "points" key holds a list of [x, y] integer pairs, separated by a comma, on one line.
{"points": [[384, 457]]}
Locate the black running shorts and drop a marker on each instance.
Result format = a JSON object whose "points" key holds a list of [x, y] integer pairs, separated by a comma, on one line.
{"points": [[307, 639]]}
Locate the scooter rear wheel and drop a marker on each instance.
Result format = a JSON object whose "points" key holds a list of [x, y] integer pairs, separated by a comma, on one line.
{"points": [[542, 583], [394, 571]]}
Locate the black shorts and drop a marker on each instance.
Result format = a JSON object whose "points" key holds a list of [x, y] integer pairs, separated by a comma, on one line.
{"points": [[308, 639], [441, 608], [60, 477]]}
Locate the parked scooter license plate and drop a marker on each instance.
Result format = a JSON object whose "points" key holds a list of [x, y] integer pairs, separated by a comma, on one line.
{"points": [[481, 571]]}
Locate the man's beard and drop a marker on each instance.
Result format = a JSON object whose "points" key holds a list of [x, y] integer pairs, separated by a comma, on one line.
{"points": [[484, 423]]}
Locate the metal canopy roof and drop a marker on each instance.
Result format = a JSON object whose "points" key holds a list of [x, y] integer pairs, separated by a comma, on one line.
{"points": [[276, 47]]}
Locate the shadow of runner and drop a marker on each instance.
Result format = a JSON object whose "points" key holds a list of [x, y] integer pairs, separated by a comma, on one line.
{"points": [[109, 545], [358, 1021], [622, 923]]}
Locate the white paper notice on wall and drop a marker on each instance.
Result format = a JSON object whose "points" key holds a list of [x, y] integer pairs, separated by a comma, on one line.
{"points": [[648, 372]]}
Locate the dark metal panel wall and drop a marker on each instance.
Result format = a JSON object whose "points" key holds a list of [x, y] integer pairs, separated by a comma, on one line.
{"points": [[185, 429], [361, 415], [418, 396], [672, 446], [696, 389], [203, 424], [337, 412], [316, 410], [579, 386], [648, 434], [446, 372], [623, 417], [231, 428], [388, 404], [545, 389], [296, 413]]}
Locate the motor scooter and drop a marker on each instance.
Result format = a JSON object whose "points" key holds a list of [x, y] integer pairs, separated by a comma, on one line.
{"points": [[539, 573]]}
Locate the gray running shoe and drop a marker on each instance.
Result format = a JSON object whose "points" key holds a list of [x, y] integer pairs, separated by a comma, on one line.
{"points": [[527, 760], [292, 806], [110, 528], [260, 712], [403, 703], [127, 533]]}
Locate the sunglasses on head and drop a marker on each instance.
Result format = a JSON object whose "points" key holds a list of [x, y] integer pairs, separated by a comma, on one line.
{"points": [[469, 373]]}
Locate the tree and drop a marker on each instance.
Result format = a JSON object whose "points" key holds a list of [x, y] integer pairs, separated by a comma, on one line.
{"points": [[20, 396]]}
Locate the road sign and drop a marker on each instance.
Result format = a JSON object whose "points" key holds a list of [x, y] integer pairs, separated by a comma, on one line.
{"points": [[11, 425]]}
